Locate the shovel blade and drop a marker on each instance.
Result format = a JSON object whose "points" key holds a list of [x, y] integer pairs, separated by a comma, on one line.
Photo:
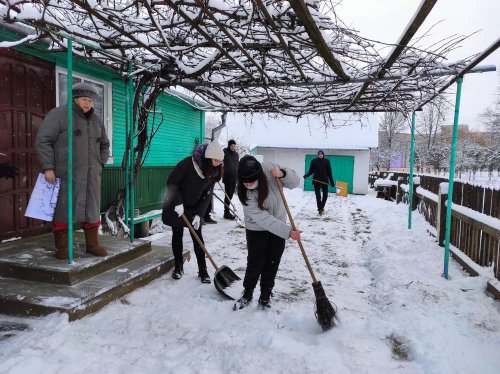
{"points": [[224, 278]]}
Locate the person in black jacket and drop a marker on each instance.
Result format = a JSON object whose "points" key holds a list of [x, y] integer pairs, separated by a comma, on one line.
{"points": [[189, 191], [231, 161], [321, 170]]}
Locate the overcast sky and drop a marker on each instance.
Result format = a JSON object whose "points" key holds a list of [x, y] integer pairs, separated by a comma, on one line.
{"points": [[385, 20]]}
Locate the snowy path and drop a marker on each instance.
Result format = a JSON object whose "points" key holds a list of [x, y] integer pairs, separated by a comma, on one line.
{"points": [[397, 314]]}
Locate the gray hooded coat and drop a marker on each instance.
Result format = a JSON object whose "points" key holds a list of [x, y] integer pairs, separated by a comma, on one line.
{"points": [[90, 153], [273, 218]]}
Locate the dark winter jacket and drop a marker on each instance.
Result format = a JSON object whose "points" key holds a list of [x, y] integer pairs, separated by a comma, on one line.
{"points": [[90, 153], [231, 161], [321, 170], [187, 186]]}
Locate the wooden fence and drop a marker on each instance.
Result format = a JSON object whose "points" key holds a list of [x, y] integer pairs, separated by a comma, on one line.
{"points": [[475, 209]]}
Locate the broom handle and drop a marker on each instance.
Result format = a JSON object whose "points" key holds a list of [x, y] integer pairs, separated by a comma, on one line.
{"points": [[230, 202], [280, 188], [190, 227]]}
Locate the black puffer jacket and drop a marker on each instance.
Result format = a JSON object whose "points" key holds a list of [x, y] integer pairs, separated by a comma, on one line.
{"points": [[321, 170], [185, 186], [231, 162]]}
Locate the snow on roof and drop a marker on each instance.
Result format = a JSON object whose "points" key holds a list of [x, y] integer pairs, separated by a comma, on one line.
{"points": [[306, 133]]}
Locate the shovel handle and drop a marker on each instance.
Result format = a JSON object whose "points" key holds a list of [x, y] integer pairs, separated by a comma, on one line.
{"points": [[292, 223], [227, 206], [317, 181], [326, 184], [193, 232], [230, 202]]}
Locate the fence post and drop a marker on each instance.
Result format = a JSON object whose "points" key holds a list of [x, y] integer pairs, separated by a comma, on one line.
{"points": [[415, 197], [441, 223], [399, 196]]}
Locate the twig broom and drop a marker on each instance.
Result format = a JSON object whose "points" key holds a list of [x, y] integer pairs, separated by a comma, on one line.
{"points": [[325, 313]]}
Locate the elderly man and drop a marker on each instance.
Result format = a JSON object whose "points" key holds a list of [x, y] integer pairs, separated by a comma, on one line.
{"points": [[90, 153]]}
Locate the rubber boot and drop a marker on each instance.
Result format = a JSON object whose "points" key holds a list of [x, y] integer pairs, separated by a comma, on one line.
{"points": [[92, 241], [61, 243]]}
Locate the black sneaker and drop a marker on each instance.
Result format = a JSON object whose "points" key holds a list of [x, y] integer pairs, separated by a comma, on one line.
{"points": [[265, 298], [243, 301], [204, 277], [229, 216], [178, 271], [209, 220]]}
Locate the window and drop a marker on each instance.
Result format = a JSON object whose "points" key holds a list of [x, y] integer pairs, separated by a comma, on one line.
{"points": [[102, 106]]}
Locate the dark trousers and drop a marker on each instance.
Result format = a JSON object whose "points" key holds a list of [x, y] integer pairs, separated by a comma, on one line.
{"points": [[177, 246], [264, 256], [206, 216], [229, 188], [321, 201]]}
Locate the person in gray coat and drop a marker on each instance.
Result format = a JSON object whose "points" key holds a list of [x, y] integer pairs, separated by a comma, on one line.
{"points": [[90, 153], [265, 224]]}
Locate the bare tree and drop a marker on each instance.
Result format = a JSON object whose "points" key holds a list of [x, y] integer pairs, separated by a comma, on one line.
{"points": [[391, 125], [430, 145], [491, 120]]}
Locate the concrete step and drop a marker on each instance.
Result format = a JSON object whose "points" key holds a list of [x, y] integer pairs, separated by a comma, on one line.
{"points": [[33, 258], [30, 298]]}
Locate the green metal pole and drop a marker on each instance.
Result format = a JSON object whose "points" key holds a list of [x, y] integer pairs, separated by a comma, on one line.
{"points": [[450, 179], [412, 158], [70, 150], [127, 126], [131, 150]]}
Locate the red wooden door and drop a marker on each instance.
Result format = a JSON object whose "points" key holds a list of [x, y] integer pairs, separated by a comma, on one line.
{"points": [[27, 94]]}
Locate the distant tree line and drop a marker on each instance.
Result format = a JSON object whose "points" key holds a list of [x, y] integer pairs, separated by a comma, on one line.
{"points": [[475, 150]]}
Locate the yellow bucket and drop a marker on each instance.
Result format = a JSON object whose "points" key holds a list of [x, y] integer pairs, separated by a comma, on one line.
{"points": [[341, 188]]}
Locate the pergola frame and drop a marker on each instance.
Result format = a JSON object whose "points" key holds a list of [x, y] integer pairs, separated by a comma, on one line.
{"points": [[290, 57]]}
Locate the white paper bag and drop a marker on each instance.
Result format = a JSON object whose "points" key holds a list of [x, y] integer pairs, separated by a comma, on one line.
{"points": [[43, 199]]}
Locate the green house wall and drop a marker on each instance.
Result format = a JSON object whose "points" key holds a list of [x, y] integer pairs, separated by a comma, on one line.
{"points": [[179, 125]]}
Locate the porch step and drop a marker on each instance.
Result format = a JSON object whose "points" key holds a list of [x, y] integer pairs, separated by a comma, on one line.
{"points": [[33, 258], [30, 298]]}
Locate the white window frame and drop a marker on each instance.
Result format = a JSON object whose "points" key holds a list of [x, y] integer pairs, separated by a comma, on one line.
{"points": [[108, 103]]}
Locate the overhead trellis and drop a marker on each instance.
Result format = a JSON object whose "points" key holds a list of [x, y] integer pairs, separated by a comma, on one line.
{"points": [[291, 57]]}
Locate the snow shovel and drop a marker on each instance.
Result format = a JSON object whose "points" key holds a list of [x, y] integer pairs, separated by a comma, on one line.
{"points": [[224, 276], [239, 221], [317, 181], [326, 314]]}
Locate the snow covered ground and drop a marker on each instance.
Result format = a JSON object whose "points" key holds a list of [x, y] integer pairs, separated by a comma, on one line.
{"points": [[397, 314]]}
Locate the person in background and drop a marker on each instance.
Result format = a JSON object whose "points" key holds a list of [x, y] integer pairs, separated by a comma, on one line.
{"points": [[231, 160], [321, 171], [265, 223], [90, 154], [189, 191]]}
